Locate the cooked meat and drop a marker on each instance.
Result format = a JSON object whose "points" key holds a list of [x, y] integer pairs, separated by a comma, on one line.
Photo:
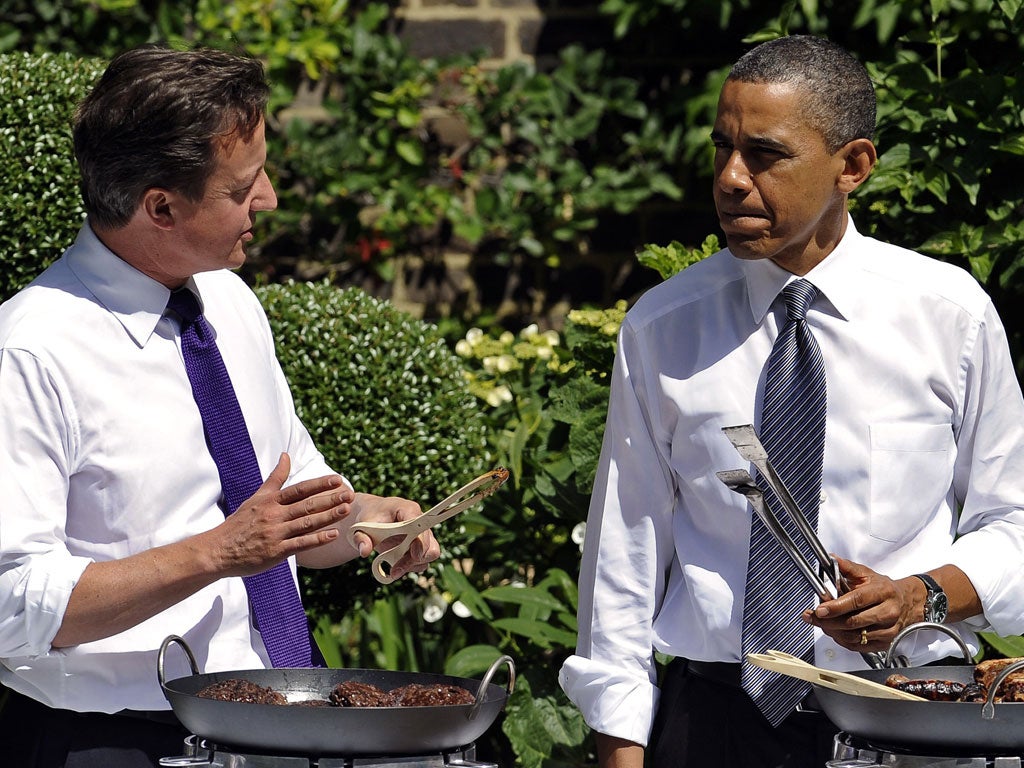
{"points": [[418, 695], [1012, 688], [933, 690], [985, 672], [352, 693], [244, 691], [973, 693]]}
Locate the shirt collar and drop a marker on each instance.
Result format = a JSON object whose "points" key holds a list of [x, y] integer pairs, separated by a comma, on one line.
{"points": [[834, 277], [135, 299]]}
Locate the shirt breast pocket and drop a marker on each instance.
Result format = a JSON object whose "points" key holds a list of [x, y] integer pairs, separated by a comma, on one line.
{"points": [[911, 470]]}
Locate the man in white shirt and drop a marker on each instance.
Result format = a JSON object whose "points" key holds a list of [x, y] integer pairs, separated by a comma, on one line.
{"points": [[113, 531], [923, 449]]}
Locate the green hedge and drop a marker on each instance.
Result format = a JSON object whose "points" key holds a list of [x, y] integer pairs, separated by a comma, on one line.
{"points": [[39, 199]]}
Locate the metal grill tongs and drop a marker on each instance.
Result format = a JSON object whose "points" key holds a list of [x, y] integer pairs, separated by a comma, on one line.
{"points": [[824, 576]]}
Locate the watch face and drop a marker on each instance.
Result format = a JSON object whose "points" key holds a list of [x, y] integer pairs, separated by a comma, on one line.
{"points": [[938, 607]]}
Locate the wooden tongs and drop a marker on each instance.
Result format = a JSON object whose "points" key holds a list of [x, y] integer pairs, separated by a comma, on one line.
{"points": [[462, 499], [823, 576]]}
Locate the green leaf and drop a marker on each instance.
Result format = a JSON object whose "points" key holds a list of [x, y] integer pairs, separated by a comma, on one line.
{"points": [[539, 632], [471, 661], [1011, 647], [466, 593], [410, 150], [530, 596]]}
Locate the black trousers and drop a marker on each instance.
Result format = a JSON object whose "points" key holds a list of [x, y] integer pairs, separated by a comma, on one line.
{"points": [[33, 735], [703, 722]]}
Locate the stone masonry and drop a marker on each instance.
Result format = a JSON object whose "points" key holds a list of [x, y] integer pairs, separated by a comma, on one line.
{"points": [[505, 30]]}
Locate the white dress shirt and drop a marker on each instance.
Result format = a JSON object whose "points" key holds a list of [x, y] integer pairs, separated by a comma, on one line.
{"points": [[102, 455], [924, 460]]}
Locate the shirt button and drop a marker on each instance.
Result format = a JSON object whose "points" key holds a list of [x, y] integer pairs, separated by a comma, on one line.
{"points": [[823, 498], [830, 654]]}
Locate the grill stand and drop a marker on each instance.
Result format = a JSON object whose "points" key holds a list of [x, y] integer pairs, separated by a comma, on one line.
{"points": [[852, 752], [199, 752]]}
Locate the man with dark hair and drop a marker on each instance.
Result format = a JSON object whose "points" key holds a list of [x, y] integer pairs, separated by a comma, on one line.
{"points": [[157, 478], [881, 385]]}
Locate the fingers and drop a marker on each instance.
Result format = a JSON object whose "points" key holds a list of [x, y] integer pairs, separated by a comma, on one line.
{"points": [[277, 522], [423, 550]]}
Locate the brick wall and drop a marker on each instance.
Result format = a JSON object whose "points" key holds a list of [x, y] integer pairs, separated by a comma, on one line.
{"points": [[506, 30]]}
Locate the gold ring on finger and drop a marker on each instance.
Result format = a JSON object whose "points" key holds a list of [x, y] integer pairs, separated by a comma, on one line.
{"points": [[863, 637]]}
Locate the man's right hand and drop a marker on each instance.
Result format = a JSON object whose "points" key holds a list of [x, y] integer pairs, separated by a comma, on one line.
{"points": [[275, 523]]}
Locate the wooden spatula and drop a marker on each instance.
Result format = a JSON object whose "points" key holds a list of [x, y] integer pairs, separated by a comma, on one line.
{"points": [[786, 664]]}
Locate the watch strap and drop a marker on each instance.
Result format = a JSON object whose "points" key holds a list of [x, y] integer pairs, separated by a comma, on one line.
{"points": [[936, 604], [929, 582]]}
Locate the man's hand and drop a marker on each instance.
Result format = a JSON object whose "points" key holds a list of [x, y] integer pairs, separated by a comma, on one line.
{"points": [[377, 509], [391, 509], [879, 608], [875, 602], [275, 522], [115, 595]]}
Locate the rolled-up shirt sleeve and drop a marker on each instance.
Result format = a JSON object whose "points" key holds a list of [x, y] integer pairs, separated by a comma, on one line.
{"points": [[989, 476], [37, 571], [628, 549]]}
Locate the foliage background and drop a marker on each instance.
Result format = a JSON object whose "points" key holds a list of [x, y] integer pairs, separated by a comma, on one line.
{"points": [[540, 163]]}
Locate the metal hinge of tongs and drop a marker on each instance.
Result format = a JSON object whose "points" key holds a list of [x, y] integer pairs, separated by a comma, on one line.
{"points": [[824, 577]]}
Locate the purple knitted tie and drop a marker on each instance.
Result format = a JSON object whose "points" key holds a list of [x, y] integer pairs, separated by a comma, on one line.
{"points": [[273, 596]]}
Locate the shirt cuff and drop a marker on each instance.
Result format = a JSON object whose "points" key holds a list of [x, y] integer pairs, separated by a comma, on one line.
{"points": [[33, 598], [611, 702]]}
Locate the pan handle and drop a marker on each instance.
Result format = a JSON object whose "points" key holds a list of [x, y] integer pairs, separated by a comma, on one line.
{"points": [[482, 688], [163, 652], [893, 659], [989, 710]]}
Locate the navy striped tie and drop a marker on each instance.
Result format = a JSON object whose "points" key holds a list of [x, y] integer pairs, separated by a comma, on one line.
{"points": [[793, 435]]}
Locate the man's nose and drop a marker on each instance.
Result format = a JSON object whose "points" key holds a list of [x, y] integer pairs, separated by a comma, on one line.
{"points": [[733, 175], [265, 198]]}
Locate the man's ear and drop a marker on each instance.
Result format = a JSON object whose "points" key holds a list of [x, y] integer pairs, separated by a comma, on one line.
{"points": [[158, 207], [859, 158]]}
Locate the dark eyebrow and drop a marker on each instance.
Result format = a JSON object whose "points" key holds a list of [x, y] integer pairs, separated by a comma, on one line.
{"points": [[760, 142]]}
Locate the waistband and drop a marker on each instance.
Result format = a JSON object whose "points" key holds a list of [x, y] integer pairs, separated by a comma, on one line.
{"points": [[728, 674], [723, 672]]}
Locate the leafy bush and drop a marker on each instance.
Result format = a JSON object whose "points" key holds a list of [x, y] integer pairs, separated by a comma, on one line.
{"points": [[386, 402], [39, 199], [546, 396]]}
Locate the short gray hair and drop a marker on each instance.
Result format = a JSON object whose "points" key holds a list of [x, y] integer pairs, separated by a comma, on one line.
{"points": [[839, 98]]}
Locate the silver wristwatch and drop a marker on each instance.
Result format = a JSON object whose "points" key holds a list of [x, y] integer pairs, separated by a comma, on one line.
{"points": [[936, 604]]}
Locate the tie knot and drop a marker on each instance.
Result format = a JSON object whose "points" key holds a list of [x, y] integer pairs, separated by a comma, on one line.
{"points": [[798, 296], [185, 303]]}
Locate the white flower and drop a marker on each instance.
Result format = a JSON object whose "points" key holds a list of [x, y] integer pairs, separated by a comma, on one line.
{"points": [[579, 535], [506, 363], [463, 348], [434, 608], [498, 395], [551, 337], [530, 331], [474, 335], [507, 338], [459, 609], [544, 353]]}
